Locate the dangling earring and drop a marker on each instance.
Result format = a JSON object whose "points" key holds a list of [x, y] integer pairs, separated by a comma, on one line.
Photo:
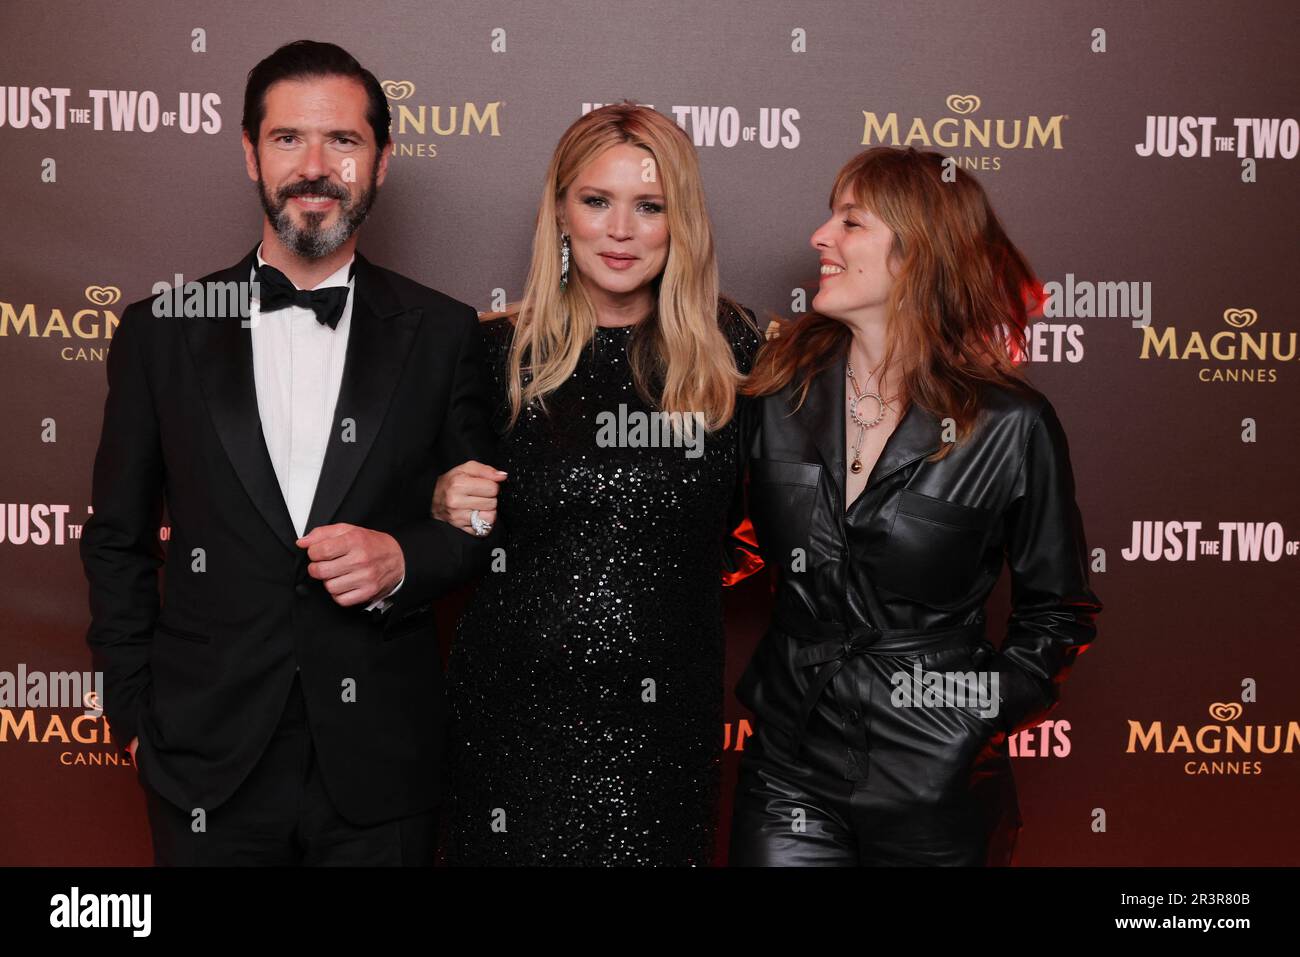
{"points": [[564, 260]]}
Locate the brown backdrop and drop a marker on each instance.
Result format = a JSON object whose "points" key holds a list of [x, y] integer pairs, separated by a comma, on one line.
{"points": [[95, 212]]}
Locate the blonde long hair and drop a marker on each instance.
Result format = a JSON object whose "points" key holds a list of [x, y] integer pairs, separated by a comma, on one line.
{"points": [[680, 349]]}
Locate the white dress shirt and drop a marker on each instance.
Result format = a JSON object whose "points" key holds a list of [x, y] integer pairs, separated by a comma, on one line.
{"points": [[297, 369]]}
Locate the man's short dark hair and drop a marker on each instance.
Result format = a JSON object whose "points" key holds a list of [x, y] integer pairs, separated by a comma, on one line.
{"points": [[304, 59]]}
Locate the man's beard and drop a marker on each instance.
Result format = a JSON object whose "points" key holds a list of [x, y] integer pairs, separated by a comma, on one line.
{"points": [[311, 241]]}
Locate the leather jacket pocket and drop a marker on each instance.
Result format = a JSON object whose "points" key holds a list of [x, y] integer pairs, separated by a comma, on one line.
{"points": [[933, 549], [781, 499], [1024, 703], [983, 667], [966, 684]]}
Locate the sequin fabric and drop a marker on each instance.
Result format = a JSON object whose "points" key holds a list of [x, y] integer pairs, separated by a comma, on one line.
{"points": [[586, 677]]}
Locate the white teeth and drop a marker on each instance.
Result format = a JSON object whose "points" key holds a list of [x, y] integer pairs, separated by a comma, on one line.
{"points": [[315, 199], [831, 270]]}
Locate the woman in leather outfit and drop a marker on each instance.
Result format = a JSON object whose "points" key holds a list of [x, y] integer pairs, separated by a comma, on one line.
{"points": [[885, 499]]}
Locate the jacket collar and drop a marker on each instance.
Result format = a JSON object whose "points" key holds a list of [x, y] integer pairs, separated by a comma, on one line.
{"points": [[378, 341], [823, 414]]}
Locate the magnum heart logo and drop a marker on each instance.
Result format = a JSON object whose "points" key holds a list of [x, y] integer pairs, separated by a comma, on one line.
{"points": [[963, 103], [398, 89], [1240, 318], [1225, 712], [103, 295]]}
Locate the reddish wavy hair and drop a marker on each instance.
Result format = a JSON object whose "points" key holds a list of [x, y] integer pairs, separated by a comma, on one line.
{"points": [[959, 304]]}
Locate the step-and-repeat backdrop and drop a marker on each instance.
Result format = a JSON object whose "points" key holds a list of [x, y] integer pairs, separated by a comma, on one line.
{"points": [[1141, 154]]}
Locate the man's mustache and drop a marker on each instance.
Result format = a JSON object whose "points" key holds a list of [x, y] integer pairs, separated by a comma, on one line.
{"points": [[315, 187]]}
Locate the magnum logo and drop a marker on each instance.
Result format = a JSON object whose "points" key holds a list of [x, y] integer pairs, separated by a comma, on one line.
{"points": [[964, 131], [1229, 746], [1236, 344], [423, 119], [80, 740], [88, 324]]}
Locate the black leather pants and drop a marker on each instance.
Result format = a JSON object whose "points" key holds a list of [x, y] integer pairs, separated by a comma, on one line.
{"points": [[873, 783]]}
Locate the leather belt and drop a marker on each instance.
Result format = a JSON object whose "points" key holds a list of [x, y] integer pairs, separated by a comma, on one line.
{"points": [[834, 643]]}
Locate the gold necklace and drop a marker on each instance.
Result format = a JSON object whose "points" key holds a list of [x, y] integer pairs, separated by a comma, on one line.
{"points": [[856, 465]]}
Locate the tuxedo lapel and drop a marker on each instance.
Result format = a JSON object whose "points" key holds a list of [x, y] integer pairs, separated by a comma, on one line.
{"points": [[378, 343], [222, 350]]}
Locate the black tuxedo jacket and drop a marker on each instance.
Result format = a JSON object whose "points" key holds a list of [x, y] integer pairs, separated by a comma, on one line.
{"points": [[202, 675]]}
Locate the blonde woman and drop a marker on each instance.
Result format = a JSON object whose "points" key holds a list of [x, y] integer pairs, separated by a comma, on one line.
{"points": [[587, 672]]}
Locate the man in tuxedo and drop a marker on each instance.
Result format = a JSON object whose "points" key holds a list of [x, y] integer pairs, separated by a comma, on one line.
{"points": [[284, 699]]}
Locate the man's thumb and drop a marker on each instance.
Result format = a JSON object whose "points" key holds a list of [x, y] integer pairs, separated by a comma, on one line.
{"points": [[479, 470]]}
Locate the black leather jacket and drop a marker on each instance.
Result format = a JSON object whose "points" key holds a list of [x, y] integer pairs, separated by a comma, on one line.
{"points": [[923, 545]]}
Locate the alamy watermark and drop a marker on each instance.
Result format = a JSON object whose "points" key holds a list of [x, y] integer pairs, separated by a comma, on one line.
{"points": [[919, 688], [206, 300], [1086, 299], [52, 689], [76, 909], [653, 430]]}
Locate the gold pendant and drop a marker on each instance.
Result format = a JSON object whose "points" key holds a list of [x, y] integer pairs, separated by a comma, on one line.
{"points": [[855, 466]]}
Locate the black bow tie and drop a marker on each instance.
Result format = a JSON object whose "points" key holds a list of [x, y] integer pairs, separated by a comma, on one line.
{"points": [[277, 292]]}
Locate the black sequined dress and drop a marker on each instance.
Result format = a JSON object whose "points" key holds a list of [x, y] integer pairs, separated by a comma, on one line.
{"points": [[586, 678]]}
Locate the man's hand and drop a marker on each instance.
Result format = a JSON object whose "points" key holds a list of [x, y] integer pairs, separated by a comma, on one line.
{"points": [[470, 485], [356, 564], [130, 748]]}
